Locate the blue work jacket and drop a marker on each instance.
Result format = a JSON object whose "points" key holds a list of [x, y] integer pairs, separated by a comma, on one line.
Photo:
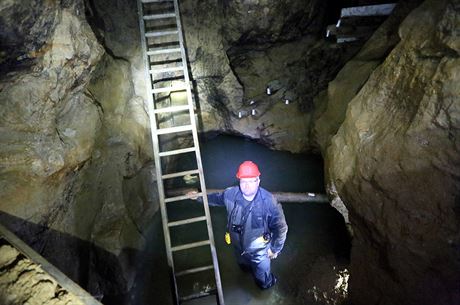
{"points": [[262, 215]]}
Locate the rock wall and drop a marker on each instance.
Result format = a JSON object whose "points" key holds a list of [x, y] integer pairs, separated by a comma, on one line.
{"points": [[394, 163], [332, 103], [75, 179], [75, 156], [75, 169], [48, 128], [236, 49]]}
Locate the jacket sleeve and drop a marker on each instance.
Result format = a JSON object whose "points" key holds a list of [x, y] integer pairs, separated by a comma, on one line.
{"points": [[277, 226], [216, 199]]}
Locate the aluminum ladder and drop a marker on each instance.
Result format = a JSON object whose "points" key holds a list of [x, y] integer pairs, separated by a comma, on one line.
{"points": [[169, 101]]}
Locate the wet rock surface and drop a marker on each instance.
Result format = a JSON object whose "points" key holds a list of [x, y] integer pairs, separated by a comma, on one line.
{"points": [[75, 158], [74, 150], [332, 104], [24, 282], [26, 30], [236, 51], [394, 163], [48, 123]]}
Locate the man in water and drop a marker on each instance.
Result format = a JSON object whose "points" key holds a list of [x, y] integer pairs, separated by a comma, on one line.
{"points": [[256, 226]]}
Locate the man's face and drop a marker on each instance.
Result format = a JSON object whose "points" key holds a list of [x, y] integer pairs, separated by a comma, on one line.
{"points": [[249, 186]]}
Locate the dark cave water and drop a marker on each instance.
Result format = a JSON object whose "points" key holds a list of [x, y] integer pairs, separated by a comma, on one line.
{"points": [[316, 252], [280, 171]]}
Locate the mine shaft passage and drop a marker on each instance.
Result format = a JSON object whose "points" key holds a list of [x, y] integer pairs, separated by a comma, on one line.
{"points": [[313, 264]]}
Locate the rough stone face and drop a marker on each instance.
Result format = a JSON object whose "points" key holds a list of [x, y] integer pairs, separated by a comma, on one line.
{"points": [[216, 84], [331, 104], [41, 139], [395, 162], [118, 181], [48, 128], [75, 170], [24, 282], [268, 21], [236, 51], [74, 158], [294, 71], [116, 25], [25, 31]]}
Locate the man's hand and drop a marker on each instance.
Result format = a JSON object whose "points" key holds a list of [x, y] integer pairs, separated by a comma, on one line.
{"points": [[272, 255], [192, 193]]}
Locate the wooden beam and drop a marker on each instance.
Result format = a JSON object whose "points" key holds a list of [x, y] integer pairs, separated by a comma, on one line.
{"points": [[286, 197]]}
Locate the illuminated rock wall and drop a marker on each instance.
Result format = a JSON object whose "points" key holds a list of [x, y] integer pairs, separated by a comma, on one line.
{"points": [[394, 163]]}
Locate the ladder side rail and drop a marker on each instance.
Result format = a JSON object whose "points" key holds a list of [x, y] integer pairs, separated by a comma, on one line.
{"points": [[220, 297], [155, 142], [181, 42]]}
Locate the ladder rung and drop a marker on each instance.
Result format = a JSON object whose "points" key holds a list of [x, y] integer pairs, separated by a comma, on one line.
{"points": [[186, 221], [159, 16], [163, 51], [176, 152], [174, 129], [161, 33], [180, 174], [198, 295], [168, 89], [182, 197], [191, 245], [172, 109], [194, 270], [164, 70]]}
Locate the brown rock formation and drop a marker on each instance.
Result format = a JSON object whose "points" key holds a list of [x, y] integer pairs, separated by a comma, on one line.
{"points": [[75, 150], [237, 49], [47, 122], [395, 162], [24, 282], [26, 30], [74, 146], [48, 127], [331, 104]]}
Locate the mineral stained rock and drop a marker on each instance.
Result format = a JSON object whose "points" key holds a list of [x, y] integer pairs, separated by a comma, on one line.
{"points": [[24, 282], [48, 124], [75, 158], [395, 164], [237, 49], [48, 127], [66, 145], [26, 30], [331, 104]]}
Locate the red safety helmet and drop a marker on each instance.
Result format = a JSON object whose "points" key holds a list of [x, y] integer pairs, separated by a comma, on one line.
{"points": [[247, 169]]}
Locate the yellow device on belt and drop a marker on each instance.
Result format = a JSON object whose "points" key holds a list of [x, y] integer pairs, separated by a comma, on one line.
{"points": [[228, 240]]}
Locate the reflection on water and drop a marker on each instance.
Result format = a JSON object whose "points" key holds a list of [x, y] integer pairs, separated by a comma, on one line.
{"points": [[316, 252]]}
